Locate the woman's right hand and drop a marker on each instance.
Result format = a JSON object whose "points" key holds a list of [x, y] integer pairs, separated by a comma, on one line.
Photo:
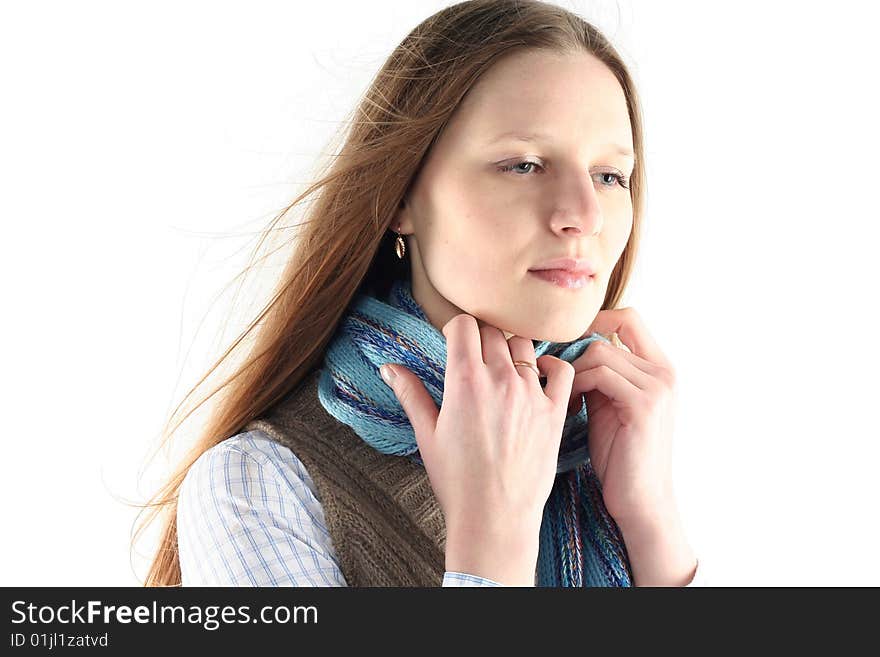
{"points": [[491, 451]]}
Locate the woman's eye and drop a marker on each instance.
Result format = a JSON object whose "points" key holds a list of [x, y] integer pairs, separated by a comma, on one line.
{"points": [[616, 179], [514, 167]]}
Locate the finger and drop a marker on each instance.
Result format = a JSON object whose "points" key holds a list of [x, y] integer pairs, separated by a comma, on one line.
{"points": [[614, 386], [495, 353], [622, 362], [462, 342], [520, 348], [416, 402], [636, 370], [628, 324], [560, 375]]}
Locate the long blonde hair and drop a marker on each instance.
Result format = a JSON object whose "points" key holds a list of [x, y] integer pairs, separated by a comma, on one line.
{"points": [[343, 243]]}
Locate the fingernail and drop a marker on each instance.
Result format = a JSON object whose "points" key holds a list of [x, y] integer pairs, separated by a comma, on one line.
{"points": [[387, 373]]}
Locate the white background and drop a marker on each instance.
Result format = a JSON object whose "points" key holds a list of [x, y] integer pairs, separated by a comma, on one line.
{"points": [[142, 146]]}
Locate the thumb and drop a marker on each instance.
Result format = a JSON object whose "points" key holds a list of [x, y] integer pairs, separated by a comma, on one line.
{"points": [[418, 405]]}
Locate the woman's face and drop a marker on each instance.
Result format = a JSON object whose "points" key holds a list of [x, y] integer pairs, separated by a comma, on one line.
{"points": [[474, 230]]}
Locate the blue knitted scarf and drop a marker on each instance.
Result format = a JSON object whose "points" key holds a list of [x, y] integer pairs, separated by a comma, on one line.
{"points": [[579, 542]]}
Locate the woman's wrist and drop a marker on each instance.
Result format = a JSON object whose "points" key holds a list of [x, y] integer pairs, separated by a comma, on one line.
{"points": [[508, 559], [659, 552]]}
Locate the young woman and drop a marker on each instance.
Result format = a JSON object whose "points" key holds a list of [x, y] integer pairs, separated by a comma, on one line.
{"points": [[471, 239]]}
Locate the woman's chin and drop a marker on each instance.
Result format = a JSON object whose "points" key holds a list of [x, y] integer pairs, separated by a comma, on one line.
{"points": [[558, 334]]}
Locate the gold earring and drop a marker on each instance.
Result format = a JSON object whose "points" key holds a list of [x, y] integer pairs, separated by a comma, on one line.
{"points": [[399, 246]]}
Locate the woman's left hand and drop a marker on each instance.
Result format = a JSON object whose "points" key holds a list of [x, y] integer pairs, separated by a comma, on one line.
{"points": [[630, 400]]}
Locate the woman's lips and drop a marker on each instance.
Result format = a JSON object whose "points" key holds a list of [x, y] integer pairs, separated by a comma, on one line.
{"points": [[563, 277]]}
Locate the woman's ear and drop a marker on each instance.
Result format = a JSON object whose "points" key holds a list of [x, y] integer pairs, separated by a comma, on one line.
{"points": [[400, 222]]}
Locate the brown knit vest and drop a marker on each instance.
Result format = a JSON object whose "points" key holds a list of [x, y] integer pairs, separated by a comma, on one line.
{"points": [[384, 521]]}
